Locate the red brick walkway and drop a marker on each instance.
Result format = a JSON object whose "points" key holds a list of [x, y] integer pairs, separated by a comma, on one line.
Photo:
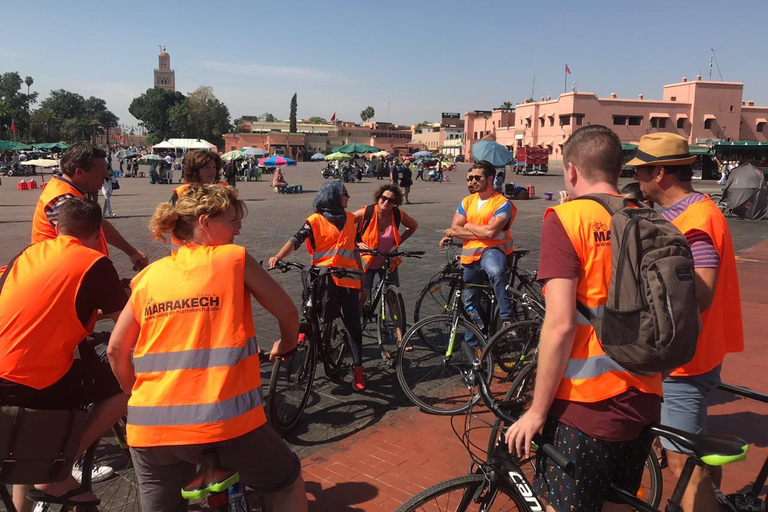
{"points": [[381, 467]]}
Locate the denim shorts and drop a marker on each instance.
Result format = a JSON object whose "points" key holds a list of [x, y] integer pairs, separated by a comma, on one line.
{"points": [[685, 403]]}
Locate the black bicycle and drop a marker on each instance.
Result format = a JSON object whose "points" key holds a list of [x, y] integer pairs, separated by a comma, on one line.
{"points": [[499, 483], [320, 338], [385, 306]]}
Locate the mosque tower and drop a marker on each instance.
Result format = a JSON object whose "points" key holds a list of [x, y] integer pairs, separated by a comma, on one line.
{"points": [[165, 77]]}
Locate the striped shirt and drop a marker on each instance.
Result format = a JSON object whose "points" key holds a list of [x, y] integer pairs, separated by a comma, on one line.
{"points": [[702, 246], [52, 209]]}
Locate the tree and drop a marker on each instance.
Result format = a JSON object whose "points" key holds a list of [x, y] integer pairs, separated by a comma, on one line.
{"points": [[507, 105], [294, 107], [42, 121], [16, 103], [153, 110], [67, 115], [201, 116], [238, 125], [268, 118], [317, 120], [367, 114]]}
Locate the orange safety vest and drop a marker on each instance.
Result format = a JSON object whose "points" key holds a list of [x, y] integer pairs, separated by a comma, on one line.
{"points": [[198, 378], [371, 238], [178, 191], [42, 229], [39, 328], [472, 250], [722, 331], [335, 249], [591, 375]]}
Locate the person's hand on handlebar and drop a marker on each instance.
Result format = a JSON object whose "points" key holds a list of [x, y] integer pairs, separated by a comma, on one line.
{"points": [[363, 245], [273, 261], [520, 435], [279, 350], [444, 240], [139, 260]]}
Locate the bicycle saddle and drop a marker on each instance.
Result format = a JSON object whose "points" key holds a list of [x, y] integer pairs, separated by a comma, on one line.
{"points": [[210, 478], [521, 253], [712, 450]]}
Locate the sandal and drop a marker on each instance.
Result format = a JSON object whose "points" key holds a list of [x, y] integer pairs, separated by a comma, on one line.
{"points": [[63, 499], [409, 348]]}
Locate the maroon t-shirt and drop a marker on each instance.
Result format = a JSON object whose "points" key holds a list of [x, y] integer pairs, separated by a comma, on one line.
{"points": [[619, 418]]}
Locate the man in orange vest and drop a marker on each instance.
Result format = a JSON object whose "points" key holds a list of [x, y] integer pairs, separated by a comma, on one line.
{"points": [[482, 221], [663, 169], [83, 168], [49, 298], [593, 410]]}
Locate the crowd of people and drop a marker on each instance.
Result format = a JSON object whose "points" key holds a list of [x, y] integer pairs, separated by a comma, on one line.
{"points": [[183, 362]]}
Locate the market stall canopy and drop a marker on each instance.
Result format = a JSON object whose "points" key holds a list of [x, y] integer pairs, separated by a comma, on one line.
{"points": [[255, 152], [41, 162], [699, 150], [626, 146], [741, 145], [276, 160], [233, 155], [50, 145], [356, 148], [381, 154], [492, 152], [191, 144], [164, 145], [338, 156], [14, 146]]}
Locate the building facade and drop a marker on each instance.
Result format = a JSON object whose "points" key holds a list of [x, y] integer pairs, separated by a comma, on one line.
{"points": [[165, 77], [704, 112], [445, 137]]}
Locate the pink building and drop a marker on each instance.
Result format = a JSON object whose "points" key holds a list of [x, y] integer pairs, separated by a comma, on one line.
{"points": [[703, 112]]}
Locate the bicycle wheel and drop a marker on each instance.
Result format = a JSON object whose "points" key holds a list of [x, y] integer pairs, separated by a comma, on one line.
{"points": [[429, 378], [290, 385], [335, 341], [435, 298], [522, 386], [466, 494], [121, 491], [391, 317], [651, 485], [526, 283], [514, 345]]}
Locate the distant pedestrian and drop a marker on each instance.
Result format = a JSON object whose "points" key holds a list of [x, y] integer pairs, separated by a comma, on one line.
{"points": [[380, 166], [106, 191], [394, 172], [420, 169], [406, 181]]}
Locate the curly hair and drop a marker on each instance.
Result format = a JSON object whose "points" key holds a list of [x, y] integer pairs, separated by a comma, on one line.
{"points": [[392, 188], [197, 200], [196, 160]]}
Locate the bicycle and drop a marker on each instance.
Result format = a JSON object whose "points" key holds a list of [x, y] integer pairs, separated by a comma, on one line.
{"points": [[500, 478], [324, 339], [386, 307]]}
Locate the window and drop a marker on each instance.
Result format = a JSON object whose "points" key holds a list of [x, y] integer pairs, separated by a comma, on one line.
{"points": [[565, 120], [673, 98], [658, 122], [707, 124], [681, 123], [551, 121], [579, 120], [619, 120], [528, 123], [635, 120], [760, 127], [731, 108], [542, 121]]}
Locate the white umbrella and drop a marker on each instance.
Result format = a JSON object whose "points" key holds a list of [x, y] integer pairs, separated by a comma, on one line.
{"points": [[255, 152], [41, 162], [318, 156]]}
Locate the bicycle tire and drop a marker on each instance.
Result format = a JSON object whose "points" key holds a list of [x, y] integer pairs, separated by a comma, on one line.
{"points": [[652, 480], [120, 492], [522, 385], [430, 381], [290, 386], [335, 343], [435, 297], [529, 286], [387, 323], [515, 345], [465, 494]]}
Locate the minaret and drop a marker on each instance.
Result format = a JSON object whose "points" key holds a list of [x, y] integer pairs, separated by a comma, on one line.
{"points": [[165, 77]]}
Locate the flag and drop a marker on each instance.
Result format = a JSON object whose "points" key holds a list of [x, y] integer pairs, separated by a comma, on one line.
{"points": [[567, 70], [13, 127], [333, 117]]}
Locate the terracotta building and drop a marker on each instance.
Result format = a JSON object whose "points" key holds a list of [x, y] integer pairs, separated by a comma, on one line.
{"points": [[704, 112], [445, 137]]}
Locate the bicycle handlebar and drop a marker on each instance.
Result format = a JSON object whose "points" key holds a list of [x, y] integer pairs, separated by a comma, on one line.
{"points": [[393, 254], [285, 266]]}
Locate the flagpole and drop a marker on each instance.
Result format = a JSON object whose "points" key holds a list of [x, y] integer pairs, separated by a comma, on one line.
{"points": [[565, 80]]}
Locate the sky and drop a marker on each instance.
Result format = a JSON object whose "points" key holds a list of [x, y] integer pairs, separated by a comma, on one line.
{"points": [[408, 59]]}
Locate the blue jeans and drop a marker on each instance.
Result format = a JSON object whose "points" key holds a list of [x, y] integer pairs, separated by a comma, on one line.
{"points": [[492, 263]]}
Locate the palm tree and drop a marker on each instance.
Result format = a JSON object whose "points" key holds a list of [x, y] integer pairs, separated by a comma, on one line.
{"points": [[29, 81], [507, 105]]}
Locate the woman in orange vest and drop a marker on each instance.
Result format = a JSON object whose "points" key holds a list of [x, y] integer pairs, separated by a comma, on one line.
{"points": [[199, 166], [185, 349], [379, 225], [331, 236]]}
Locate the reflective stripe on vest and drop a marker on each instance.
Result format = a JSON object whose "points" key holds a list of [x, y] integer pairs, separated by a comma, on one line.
{"points": [[195, 359], [591, 375], [722, 329], [41, 226], [169, 415], [334, 248], [472, 250]]}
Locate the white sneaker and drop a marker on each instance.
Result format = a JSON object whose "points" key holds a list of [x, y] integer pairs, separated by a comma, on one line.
{"points": [[98, 473]]}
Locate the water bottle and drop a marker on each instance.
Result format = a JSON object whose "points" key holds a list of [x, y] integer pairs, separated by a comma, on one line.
{"points": [[475, 316], [236, 499]]}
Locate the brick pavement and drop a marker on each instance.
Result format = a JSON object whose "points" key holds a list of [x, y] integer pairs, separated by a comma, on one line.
{"points": [[337, 422]]}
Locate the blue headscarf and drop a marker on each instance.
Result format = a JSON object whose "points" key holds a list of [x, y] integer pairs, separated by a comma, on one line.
{"points": [[328, 203]]}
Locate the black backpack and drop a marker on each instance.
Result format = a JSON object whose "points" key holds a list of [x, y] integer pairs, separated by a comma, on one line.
{"points": [[650, 322], [369, 215]]}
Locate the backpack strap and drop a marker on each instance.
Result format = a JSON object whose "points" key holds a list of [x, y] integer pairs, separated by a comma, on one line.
{"points": [[366, 219], [605, 201], [398, 216]]}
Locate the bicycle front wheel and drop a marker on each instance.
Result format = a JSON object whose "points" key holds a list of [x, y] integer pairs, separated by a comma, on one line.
{"points": [[290, 385], [335, 341], [466, 494], [390, 323], [435, 298], [431, 376], [522, 387], [515, 345]]}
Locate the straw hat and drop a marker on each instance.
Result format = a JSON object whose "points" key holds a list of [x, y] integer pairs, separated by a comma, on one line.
{"points": [[662, 149]]}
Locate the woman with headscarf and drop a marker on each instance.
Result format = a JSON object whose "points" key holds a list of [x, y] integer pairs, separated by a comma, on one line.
{"points": [[331, 235]]}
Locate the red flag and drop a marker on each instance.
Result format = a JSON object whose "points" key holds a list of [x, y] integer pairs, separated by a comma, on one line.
{"points": [[13, 127], [333, 117], [567, 70]]}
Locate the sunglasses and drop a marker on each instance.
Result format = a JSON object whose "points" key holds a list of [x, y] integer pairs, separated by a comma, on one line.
{"points": [[387, 199], [474, 178]]}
